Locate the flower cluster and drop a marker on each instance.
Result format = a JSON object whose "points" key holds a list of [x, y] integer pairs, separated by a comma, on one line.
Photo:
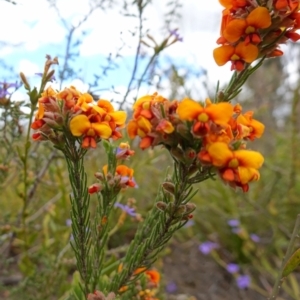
{"points": [[253, 29], [211, 135], [151, 120], [71, 111], [147, 289], [120, 178]]}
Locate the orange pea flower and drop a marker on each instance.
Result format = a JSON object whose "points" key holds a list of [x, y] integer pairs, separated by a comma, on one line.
{"points": [[286, 5], [259, 18], [126, 175], [190, 110], [91, 128], [140, 127], [153, 276], [233, 4], [249, 127], [142, 107], [238, 167], [238, 55], [38, 122], [69, 96], [83, 102]]}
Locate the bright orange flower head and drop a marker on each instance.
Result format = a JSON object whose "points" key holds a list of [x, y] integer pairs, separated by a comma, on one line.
{"points": [[69, 96], [239, 166], [83, 102], [47, 93], [126, 175], [249, 127], [190, 110], [143, 106], [91, 128], [140, 127], [233, 4], [238, 55], [286, 5], [235, 29], [153, 276]]}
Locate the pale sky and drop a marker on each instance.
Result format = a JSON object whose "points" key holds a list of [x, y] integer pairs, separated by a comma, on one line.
{"points": [[36, 28]]}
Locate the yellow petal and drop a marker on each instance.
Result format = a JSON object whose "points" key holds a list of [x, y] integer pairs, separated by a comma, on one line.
{"points": [[234, 30], [220, 113], [189, 109], [40, 112], [249, 159], [248, 174], [259, 18], [247, 52], [79, 125], [144, 124], [220, 154], [132, 128], [119, 117], [102, 130], [99, 110], [106, 105], [141, 100], [223, 54]]}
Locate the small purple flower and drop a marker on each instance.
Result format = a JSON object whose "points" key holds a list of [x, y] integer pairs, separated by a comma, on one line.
{"points": [[176, 35], [4, 86], [233, 223], [68, 222], [207, 247], [3, 93], [243, 281], [171, 287], [232, 268], [255, 238], [129, 210], [189, 223]]}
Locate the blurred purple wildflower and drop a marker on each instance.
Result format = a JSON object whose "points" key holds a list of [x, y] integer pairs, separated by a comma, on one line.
{"points": [[189, 223], [255, 238], [129, 210], [176, 35], [233, 223], [243, 281], [3, 93], [232, 268], [4, 86], [207, 247], [171, 287], [68, 222]]}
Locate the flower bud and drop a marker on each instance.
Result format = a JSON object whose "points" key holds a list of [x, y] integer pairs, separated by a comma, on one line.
{"points": [[161, 205], [190, 207], [94, 188], [220, 95], [183, 130], [169, 187], [25, 82], [178, 154], [181, 209], [190, 155], [99, 176]]}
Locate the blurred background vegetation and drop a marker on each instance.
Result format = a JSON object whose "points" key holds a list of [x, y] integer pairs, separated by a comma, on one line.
{"points": [[251, 230]]}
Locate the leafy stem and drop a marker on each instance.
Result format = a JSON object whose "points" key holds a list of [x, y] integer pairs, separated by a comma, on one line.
{"points": [[157, 229], [80, 215]]}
